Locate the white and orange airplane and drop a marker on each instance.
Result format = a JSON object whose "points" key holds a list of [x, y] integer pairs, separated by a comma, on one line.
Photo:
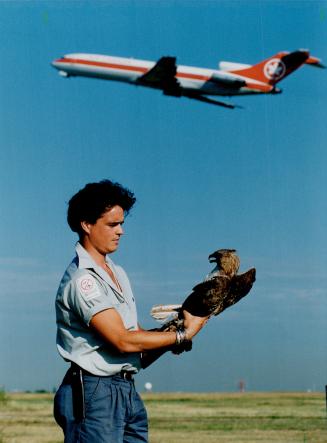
{"points": [[188, 81]]}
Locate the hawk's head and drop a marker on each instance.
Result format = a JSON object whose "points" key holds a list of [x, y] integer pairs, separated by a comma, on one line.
{"points": [[227, 261]]}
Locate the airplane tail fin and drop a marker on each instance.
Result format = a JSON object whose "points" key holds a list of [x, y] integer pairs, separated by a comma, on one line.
{"points": [[275, 68]]}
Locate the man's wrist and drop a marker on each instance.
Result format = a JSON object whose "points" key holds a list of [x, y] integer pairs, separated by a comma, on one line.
{"points": [[182, 342], [180, 336]]}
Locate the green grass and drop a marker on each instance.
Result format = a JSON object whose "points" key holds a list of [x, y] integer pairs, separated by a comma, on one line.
{"points": [[3, 397], [191, 418], [237, 418]]}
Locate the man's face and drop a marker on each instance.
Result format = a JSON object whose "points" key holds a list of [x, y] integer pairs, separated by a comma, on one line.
{"points": [[105, 233]]}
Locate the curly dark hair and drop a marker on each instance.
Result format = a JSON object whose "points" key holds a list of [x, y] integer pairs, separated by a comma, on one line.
{"points": [[91, 202]]}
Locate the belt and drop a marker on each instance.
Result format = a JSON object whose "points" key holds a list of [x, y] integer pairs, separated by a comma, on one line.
{"points": [[126, 375]]}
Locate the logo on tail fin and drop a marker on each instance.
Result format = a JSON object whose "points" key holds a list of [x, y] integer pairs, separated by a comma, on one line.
{"points": [[274, 69]]}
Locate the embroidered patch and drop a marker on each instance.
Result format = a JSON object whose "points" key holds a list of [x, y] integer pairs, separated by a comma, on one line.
{"points": [[87, 287]]}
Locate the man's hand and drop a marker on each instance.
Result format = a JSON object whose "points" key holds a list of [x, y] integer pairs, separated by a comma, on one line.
{"points": [[193, 324]]}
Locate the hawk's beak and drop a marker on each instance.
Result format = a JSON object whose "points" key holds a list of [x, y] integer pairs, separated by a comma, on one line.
{"points": [[212, 258]]}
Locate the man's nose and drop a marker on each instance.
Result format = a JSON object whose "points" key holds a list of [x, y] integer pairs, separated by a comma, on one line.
{"points": [[120, 230]]}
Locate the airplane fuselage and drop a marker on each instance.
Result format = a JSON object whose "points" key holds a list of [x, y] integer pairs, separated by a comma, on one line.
{"points": [[198, 80]]}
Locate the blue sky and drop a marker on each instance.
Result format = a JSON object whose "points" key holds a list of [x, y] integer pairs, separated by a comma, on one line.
{"points": [[205, 177]]}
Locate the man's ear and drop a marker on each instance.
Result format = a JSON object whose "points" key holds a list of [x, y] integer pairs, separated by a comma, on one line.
{"points": [[86, 226]]}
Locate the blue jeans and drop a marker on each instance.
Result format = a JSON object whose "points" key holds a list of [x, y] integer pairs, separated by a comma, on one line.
{"points": [[113, 411]]}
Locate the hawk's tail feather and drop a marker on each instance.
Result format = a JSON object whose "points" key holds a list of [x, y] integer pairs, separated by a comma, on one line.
{"points": [[163, 313]]}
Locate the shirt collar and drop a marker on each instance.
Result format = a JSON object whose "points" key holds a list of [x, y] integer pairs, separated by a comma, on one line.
{"points": [[85, 261]]}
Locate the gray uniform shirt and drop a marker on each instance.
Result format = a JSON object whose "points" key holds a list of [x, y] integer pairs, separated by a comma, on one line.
{"points": [[85, 290]]}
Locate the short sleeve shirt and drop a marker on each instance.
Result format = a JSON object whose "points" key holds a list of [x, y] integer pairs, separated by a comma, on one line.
{"points": [[85, 290]]}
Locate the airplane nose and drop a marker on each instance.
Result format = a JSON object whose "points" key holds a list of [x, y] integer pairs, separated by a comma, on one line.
{"points": [[57, 64]]}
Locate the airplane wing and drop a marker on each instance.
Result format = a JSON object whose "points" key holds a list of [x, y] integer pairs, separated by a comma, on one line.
{"points": [[202, 98], [162, 76]]}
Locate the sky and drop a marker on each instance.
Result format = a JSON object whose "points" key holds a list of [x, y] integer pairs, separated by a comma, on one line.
{"points": [[205, 178]]}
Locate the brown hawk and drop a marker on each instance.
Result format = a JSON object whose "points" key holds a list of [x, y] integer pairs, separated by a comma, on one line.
{"points": [[222, 288]]}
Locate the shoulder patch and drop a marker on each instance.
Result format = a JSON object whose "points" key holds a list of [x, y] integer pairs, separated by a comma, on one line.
{"points": [[88, 287]]}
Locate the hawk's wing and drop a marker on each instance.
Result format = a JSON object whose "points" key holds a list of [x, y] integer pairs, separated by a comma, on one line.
{"points": [[207, 296], [240, 286], [214, 296], [162, 76]]}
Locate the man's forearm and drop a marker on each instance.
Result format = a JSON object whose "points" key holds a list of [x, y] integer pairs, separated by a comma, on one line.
{"points": [[109, 325], [140, 341]]}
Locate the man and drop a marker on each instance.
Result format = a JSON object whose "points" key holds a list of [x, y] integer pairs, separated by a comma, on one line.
{"points": [[98, 331]]}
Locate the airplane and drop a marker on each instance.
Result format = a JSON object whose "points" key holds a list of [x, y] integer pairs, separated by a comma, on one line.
{"points": [[230, 79]]}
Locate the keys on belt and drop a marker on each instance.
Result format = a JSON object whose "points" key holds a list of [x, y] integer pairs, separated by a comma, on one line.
{"points": [[126, 375], [78, 393], [77, 384]]}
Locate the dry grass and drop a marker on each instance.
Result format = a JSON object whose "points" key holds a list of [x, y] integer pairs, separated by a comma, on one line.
{"points": [[191, 418], [251, 417]]}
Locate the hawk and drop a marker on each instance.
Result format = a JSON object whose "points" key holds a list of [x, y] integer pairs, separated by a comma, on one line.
{"points": [[221, 288]]}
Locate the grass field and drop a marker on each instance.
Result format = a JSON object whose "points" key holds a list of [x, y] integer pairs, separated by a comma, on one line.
{"points": [[192, 418]]}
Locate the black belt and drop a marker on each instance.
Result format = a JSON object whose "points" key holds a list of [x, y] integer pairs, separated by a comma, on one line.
{"points": [[126, 375]]}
